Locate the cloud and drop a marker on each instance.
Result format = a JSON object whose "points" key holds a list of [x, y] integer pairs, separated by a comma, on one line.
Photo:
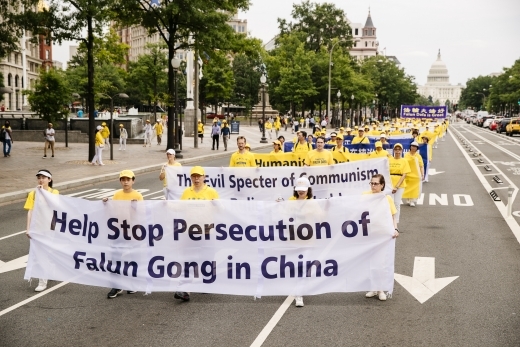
{"points": [[416, 54], [475, 43]]}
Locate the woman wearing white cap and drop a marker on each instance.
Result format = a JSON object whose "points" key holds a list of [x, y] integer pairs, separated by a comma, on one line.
{"points": [[44, 179], [414, 178], [399, 168], [170, 154], [302, 191], [100, 144]]}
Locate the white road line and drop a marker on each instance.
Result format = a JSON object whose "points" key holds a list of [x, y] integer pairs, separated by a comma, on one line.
{"points": [[37, 296], [8, 236], [502, 208], [260, 339], [157, 192]]}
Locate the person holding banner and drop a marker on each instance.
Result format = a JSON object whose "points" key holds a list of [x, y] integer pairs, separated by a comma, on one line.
{"points": [[242, 157], [361, 138], [170, 154], [379, 152], [319, 156], [384, 142], [282, 141], [277, 148], [127, 180], [44, 179], [302, 146], [399, 168], [414, 178], [426, 141]]}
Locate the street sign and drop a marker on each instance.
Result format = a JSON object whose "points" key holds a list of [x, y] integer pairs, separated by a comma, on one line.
{"points": [[235, 127]]}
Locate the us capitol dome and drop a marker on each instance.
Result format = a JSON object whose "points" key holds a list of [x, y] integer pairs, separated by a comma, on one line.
{"points": [[438, 84]]}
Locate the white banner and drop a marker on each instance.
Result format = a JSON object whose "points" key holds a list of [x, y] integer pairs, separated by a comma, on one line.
{"points": [[268, 184], [222, 246]]}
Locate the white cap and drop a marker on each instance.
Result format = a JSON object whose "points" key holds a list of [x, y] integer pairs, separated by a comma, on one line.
{"points": [[99, 127], [302, 184], [414, 144], [44, 173], [382, 135], [170, 151]]}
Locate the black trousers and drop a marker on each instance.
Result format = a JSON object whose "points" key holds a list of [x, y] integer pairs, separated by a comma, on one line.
{"points": [[215, 140]]}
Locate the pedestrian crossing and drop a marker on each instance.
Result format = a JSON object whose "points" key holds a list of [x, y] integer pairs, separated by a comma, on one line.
{"points": [[100, 193]]}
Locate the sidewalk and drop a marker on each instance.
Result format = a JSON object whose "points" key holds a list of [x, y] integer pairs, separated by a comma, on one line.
{"points": [[71, 169]]}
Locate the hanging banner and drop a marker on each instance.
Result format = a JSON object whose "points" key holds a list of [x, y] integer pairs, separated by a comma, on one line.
{"points": [[427, 112], [252, 248], [270, 183]]}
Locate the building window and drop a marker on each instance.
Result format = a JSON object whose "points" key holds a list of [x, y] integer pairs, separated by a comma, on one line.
{"points": [[365, 31], [234, 27], [372, 43], [373, 32], [356, 31], [16, 59], [9, 80], [22, 82], [366, 44], [16, 81], [47, 54], [9, 58]]}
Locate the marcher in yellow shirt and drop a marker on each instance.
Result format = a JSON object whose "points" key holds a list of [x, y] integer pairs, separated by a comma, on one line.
{"points": [[332, 140], [199, 190], [320, 156], [361, 138], [399, 168], [159, 131], [242, 157], [277, 148], [100, 144], [379, 152], [416, 175], [302, 146], [44, 179], [105, 133], [127, 180], [200, 131]]}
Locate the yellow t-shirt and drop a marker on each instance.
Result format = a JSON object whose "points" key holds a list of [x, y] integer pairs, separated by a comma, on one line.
{"points": [[99, 138], [105, 132], [381, 154], [133, 195], [315, 158], [279, 152], [158, 129], [363, 140], [206, 193], [391, 203], [242, 160], [398, 167], [268, 125], [29, 203], [299, 148], [164, 180], [200, 128]]}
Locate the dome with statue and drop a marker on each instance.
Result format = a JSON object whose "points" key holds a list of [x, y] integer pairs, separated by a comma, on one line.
{"points": [[438, 72]]}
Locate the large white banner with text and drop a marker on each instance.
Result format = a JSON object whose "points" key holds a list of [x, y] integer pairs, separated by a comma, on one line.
{"points": [[268, 184], [221, 246]]}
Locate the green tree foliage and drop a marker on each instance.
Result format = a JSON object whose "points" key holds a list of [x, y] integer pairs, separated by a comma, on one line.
{"points": [[505, 91], [217, 84], [50, 96], [477, 89], [247, 79], [147, 82], [317, 25]]}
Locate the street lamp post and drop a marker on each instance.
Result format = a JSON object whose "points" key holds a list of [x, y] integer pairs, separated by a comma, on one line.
{"points": [[75, 96], [351, 104], [339, 110], [122, 96], [263, 79], [177, 128], [330, 65]]}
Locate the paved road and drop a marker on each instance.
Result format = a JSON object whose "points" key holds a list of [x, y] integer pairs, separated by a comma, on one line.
{"points": [[456, 222]]}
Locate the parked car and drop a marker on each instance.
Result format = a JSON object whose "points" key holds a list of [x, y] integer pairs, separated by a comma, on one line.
{"points": [[513, 127], [487, 122], [501, 127], [214, 115], [493, 125]]}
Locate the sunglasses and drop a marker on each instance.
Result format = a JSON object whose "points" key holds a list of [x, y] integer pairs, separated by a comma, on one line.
{"points": [[374, 183]]}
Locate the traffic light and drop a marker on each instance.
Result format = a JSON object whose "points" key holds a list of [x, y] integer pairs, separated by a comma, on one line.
{"points": [[518, 101]]}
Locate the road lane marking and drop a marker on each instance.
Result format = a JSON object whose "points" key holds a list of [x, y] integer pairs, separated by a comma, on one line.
{"points": [[157, 192], [260, 339], [8, 236], [32, 298], [502, 208]]}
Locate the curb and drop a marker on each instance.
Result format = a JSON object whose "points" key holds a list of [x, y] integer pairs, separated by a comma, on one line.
{"points": [[22, 194]]}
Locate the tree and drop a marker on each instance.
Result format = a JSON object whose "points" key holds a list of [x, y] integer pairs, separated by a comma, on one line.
{"points": [[217, 84], [505, 91], [318, 25], [148, 77], [50, 96], [178, 21], [247, 78], [477, 89]]}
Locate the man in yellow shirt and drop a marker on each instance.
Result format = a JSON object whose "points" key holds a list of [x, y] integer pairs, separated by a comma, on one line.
{"points": [[158, 131], [341, 131], [105, 132], [200, 131], [379, 152], [320, 156], [332, 140], [361, 138], [302, 146], [242, 157], [127, 180]]}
